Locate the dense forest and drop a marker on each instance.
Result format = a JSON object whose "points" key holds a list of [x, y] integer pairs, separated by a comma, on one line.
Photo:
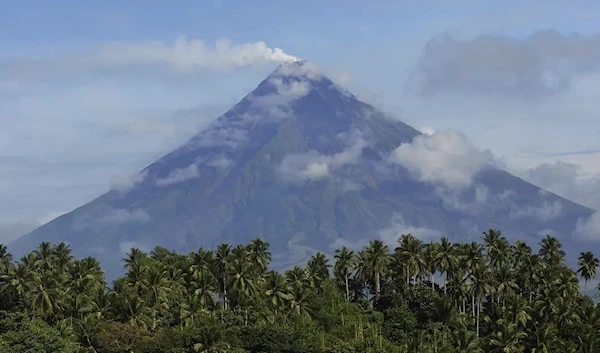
{"points": [[417, 297]]}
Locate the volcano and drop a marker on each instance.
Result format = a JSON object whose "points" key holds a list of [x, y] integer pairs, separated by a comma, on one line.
{"points": [[305, 165]]}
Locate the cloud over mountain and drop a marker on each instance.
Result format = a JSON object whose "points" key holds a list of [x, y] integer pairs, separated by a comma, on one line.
{"points": [[445, 157]]}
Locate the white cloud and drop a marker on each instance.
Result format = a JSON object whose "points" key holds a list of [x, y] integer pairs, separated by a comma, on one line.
{"points": [[589, 228], [180, 175], [125, 182], [50, 217], [428, 130], [543, 212], [537, 66], [225, 133], [340, 77], [312, 165], [220, 162], [110, 217], [275, 106], [466, 200], [567, 180], [300, 69], [445, 157], [399, 227], [120, 216]]}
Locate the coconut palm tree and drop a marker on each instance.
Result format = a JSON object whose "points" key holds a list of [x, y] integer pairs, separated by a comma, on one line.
{"points": [[588, 267], [345, 264], [411, 252], [259, 254], [317, 270], [551, 251], [447, 259], [432, 264], [375, 259], [277, 292], [221, 263]]}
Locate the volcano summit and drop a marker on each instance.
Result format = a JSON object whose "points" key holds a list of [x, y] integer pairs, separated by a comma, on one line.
{"points": [[305, 165]]}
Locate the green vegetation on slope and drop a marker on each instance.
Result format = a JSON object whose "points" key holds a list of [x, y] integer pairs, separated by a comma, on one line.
{"points": [[435, 297]]}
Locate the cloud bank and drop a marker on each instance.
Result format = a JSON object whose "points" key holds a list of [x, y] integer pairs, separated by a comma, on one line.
{"points": [[538, 66], [567, 180], [444, 157]]}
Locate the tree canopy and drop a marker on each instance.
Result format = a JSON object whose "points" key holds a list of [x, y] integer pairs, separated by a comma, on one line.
{"points": [[413, 296]]}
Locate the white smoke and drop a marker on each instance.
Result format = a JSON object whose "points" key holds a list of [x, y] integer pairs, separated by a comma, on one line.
{"points": [[189, 55], [183, 56]]}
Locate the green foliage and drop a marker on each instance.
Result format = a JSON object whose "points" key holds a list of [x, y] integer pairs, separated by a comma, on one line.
{"points": [[20, 332], [417, 297]]}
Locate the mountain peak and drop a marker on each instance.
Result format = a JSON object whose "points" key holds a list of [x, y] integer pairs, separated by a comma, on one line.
{"points": [[301, 164], [300, 69]]}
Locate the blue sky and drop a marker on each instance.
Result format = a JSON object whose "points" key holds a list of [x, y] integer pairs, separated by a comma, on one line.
{"points": [[81, 103]]}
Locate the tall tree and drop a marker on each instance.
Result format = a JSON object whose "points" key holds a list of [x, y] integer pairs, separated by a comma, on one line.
{"points": [[588, 267], [345, 264], [376, 257]]}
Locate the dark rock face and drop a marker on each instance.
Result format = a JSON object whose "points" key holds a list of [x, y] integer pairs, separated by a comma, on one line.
{"points": [[305, 165]]}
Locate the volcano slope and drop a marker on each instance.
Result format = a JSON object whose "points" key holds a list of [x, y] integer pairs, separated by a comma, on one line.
{"points": [[305, 165]]}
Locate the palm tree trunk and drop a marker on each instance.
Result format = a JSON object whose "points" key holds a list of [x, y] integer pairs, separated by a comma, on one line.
{"points": [[347, 288], [473, 304], [224, 293], [377, 285], [432, 281], [585, 286], [445, 282], [478, 312]]}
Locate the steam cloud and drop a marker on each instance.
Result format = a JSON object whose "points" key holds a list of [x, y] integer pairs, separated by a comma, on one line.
{"points": [[184, 56]]}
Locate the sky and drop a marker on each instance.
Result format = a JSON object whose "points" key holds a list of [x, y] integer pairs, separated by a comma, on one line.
{"points": [[93, 91]]}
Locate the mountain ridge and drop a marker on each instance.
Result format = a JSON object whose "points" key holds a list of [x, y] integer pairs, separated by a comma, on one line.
{"points": [[303, 164]]}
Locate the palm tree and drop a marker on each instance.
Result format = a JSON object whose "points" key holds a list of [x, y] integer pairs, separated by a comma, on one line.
{"points": [[62, 256], [447, 259], [318, 271], [545, 336], [521, 252], [201, 263], [44, 254], [479, 287], [375, 259], [345, 264], [588, 267], [508, 338], [277, 292], [259, 254], [297, 277], [242, 276], [211, 341], [203, 290], [464, 341], [411, 253], [432, 264], [5, 259], [134, 311], [221, 265], [551, 251], [46, 293]]}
